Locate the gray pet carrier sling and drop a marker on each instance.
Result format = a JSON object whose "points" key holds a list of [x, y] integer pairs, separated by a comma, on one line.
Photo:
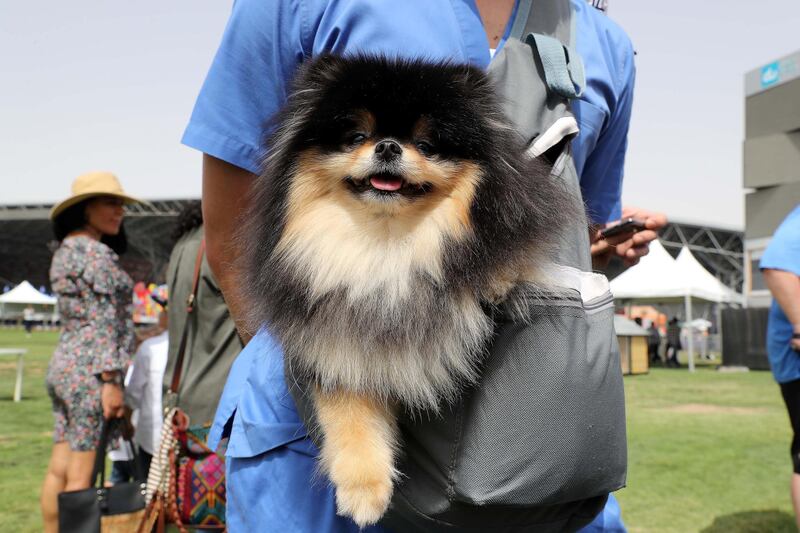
{"points": [[539, 443]]}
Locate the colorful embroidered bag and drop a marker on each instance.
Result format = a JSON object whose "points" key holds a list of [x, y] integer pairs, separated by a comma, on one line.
{"points": [[186, 485]]}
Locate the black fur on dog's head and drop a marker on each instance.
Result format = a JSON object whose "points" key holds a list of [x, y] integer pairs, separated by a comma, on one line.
{"points": [[387, 132], [391, 186]]}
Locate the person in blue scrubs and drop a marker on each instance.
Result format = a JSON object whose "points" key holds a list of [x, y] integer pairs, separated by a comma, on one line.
{"points": [[780, 266], [271, 461]]}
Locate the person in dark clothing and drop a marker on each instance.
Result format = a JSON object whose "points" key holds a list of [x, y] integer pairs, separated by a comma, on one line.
{"points": [[653, 342], [673, 342], [213, 343]]}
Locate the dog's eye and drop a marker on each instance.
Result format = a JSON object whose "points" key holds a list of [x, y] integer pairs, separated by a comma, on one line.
{"points": [[357, 138], [425, 148]]}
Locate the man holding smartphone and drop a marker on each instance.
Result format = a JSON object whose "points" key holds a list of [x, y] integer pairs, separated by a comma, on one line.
{"points": [[630, 244], [780, 266], [261, 49]]}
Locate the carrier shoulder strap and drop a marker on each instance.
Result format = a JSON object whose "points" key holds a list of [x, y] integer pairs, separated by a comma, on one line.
{"points": [[538, 74], [550, 31]]}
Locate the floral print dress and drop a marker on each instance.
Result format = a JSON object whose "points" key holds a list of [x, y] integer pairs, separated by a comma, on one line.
{"points": [[95, 304]]}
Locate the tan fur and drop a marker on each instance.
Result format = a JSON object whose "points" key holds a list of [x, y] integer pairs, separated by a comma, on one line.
{"points": [[339, 239], [422, 129], [358, 452], [365, 122], [510, 275]]}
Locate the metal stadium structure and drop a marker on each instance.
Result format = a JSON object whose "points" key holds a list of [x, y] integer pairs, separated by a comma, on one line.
{"points": [[27, 243], [720, 251]]}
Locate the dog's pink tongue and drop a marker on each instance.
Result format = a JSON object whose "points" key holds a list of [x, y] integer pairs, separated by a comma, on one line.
{"points": [[386, 183]]}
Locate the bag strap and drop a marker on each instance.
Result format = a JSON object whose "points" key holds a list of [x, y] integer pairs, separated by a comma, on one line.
{"points": [[99, 470], [100, 456], [563, 69], [190, 303]]}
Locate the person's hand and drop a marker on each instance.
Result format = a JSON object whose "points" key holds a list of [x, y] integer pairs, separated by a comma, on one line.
{"points": [[629, 247], [111, 398], [795, 342], [127, 424]]}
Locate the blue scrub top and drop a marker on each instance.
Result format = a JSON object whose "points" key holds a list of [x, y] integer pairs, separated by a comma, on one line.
{"points": [[783, 253], [265, 41], [248, 82]]}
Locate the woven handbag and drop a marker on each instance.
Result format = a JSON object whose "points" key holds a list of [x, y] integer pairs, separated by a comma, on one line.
{"points": [[186, 483]]}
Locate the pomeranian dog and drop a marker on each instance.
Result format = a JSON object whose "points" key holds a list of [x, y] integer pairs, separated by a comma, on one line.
{"points": [[397, 204]]}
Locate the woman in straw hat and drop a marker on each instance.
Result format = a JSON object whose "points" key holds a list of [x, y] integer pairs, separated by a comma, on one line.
{"points": [[84, 378]]}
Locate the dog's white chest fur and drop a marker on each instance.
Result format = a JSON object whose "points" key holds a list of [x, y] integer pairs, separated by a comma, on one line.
{"points": [[364, 253], [379, 318]]}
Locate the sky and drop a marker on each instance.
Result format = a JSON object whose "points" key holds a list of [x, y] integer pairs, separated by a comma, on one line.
{"points": [[88, 85]]}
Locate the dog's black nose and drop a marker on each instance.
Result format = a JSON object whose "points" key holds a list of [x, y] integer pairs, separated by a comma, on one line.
{"points": [[388, 150]]}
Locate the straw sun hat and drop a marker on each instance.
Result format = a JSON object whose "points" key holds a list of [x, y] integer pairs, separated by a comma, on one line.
{"points": [[92, 184]]}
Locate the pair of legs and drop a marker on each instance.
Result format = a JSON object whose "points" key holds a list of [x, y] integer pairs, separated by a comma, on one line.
{"points": [[671, 355], [791, 397], [68, 470], [652, 350], [125, 471]]}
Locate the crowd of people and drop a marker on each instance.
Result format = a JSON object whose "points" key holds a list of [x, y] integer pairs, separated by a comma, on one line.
{"points": [[98, 375]]}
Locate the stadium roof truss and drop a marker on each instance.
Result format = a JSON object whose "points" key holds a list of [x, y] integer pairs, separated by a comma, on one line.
{"points": [[26, 241], [721, 251], [167, 208], [718, 250]]}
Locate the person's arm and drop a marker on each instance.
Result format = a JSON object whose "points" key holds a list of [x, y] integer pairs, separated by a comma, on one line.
{"points": [[247, 83], [785, 288], [110, 358], [226, 190]]}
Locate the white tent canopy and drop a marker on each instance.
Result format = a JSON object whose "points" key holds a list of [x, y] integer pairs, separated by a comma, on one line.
{"points": [[25, 293], [654, 278], [658, 278], [701, 282]]}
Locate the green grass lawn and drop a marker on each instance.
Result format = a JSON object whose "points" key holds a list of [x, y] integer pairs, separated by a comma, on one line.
{"points": [[707, 451], [25, 430]]}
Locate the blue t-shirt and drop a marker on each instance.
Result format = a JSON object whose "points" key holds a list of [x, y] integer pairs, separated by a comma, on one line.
{"points": [[248, 82], [265, 41], [783, 253]]}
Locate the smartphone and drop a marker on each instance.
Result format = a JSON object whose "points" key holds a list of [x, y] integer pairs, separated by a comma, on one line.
{"points": [[628, 225]]}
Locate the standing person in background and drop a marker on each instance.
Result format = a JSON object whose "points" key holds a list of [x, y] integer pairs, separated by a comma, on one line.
{"points": [[673, 342], [28, 315], [85, 375], [143, 392], [653, 342], [780, 265], [213, 343]]}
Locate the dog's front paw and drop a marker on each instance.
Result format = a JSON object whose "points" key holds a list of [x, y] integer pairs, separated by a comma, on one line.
{"points": [[364, 502], [358, 453]]}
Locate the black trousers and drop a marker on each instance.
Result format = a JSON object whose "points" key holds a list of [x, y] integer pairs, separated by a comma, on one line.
{"points": [[652, 351], [791, 397], [672, 354]]}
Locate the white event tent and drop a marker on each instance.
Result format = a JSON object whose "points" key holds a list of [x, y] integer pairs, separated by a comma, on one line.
{"points": [[22, 295], [658, 278]]}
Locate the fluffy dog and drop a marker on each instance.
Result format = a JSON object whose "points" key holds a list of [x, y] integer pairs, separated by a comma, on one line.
{"points": [[396, 204]]}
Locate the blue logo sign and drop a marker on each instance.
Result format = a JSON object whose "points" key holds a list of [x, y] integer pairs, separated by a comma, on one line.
{"points": [[770, 74]]}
